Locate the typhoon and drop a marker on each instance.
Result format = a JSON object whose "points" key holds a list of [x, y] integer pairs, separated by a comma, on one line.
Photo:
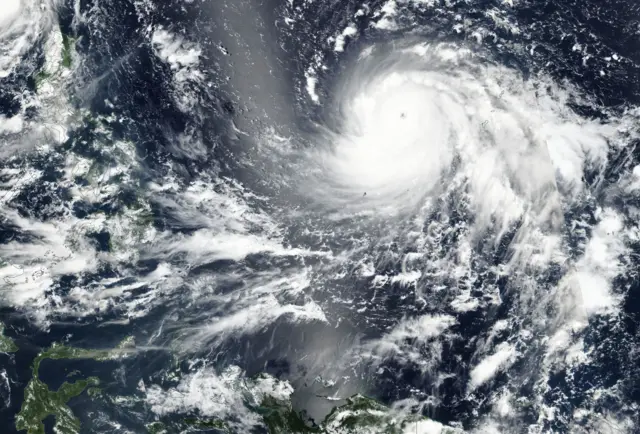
{"points": [[306, 216]]}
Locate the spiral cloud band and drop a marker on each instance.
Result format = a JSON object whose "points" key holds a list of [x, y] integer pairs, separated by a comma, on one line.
{"points": [[416, 119]]}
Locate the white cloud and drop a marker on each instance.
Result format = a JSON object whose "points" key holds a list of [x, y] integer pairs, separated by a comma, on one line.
{"points": [[222, 395], [349, 32], [174, 49], [11, 125], [412, 340], [502, 358]]}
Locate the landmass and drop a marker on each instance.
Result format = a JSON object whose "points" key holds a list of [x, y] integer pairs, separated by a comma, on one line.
{"points": [[6, 344], [40, 402], [359, 415], [67, 47]]}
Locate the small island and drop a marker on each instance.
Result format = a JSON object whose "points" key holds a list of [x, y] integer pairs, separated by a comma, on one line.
{"points": [[6, 344]]}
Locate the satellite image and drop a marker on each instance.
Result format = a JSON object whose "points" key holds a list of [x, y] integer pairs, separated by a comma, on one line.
{"points": [[319, 216]]}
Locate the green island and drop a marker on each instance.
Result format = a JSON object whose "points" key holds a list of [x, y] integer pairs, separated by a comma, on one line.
{"points": [[66, 61], [40, 402], [156, 428], [188, 425], [6, 344], [41, 77], [359, 415], [67, 46]]}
